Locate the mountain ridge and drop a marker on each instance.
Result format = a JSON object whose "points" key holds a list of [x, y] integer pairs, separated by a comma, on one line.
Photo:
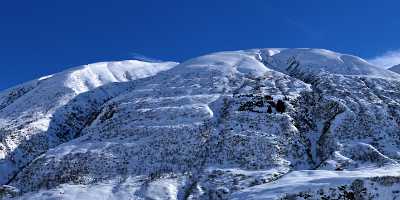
{"points": [[207, 128]]}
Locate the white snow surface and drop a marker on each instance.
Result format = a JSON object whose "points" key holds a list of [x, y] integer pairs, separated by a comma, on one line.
{"points": [[395, 68], [211, 127], [112, 190], [310, 180]]}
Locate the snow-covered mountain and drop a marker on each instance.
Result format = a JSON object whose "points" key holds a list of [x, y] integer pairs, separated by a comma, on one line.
{"points": [[253, 124], [27, 110]]}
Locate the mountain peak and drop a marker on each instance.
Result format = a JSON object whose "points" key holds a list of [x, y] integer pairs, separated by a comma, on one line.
{"points": [[249, 124]]}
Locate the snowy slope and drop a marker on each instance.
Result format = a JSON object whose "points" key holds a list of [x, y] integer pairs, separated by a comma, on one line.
{"points": [[212, 127], [395, 68], [27, 110], [311, 61], [317, 184]]}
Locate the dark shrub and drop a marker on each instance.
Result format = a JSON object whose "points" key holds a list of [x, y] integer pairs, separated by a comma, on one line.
{"points": [[269, 110], [280, 106], [268, 97]]}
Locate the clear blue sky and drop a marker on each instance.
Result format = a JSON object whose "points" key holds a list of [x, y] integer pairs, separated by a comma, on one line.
{"points": [[43, 37]]}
